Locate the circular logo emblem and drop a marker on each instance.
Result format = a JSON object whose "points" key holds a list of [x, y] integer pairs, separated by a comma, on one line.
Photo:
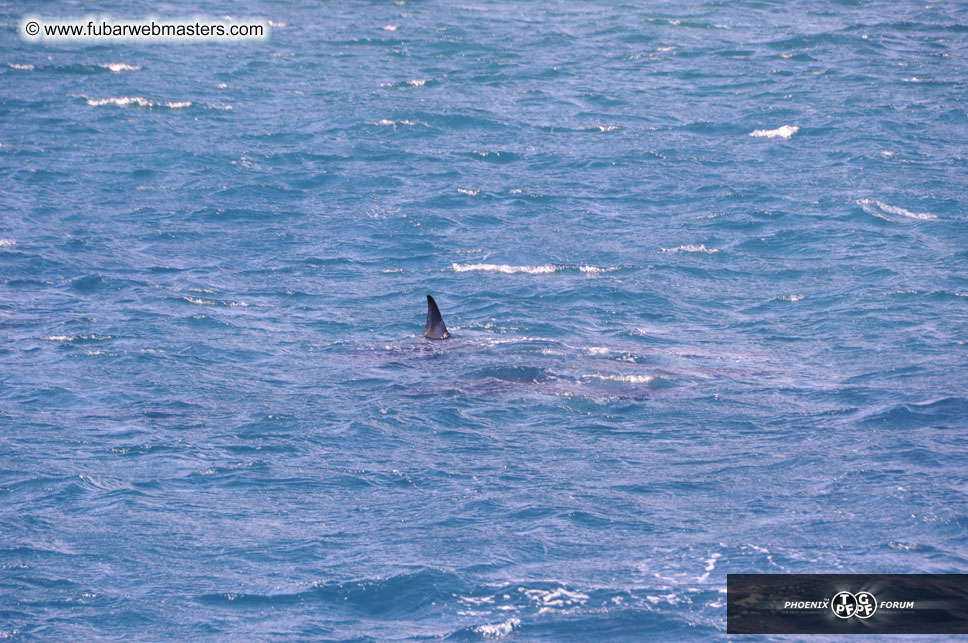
{"points": [[861, 605], [866, 604], [844, 605]]}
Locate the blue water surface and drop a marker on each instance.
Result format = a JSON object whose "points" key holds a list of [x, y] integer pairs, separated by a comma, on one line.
{"points": [[705, 265]]}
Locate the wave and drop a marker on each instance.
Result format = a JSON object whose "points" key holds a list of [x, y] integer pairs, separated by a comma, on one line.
{"points": [[7, 242], [413, 82], [198, 301], [940, 413], [498, 630], [710, 566], [386, 122], [692, 248], [403, 594], [545, 269], [140, 101], [882, 210], [627, 379], [117, 68], [600, 128], [784, 131]]}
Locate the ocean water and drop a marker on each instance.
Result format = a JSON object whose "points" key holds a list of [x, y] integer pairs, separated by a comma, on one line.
{"points": [[705, 265]]}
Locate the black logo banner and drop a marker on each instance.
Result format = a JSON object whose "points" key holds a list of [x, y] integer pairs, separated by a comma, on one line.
{"points": [[847, 603]]}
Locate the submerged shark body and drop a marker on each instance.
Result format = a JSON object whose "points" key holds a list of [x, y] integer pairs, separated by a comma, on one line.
{"points": [[435, 329], [487, 363]]}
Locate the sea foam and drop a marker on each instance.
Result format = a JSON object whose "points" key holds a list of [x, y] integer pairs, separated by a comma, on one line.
{"points": [[882, 210], [117, 68], [498, 630], [492, 267], [628, 379], [784, 131], [140, 101], [692, 248], [545, 269]]}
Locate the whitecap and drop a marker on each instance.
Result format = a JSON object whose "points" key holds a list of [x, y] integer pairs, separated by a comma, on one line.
{"points": [[468, 192], [628, 379], [532, 270], [386, 122], [671, 598], [21, 67], [7, 242], [117, 68], [692, 248], [793, 298], [881, 209], [499, 630], [121, 101], [476, 600], [140, 101], [200, 302], [506, 269], [559, 597], [784, 131], [710, 566], [390, 27], [211, 302], [417, 82]]}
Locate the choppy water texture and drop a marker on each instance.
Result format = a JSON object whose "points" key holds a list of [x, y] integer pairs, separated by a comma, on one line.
{"points": [[704, 264]]}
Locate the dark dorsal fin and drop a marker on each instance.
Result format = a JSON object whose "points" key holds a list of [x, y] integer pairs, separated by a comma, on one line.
{"points": [[435, 323]]}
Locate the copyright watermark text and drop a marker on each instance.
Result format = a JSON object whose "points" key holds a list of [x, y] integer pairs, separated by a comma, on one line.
{"points": [[104, 29]]}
